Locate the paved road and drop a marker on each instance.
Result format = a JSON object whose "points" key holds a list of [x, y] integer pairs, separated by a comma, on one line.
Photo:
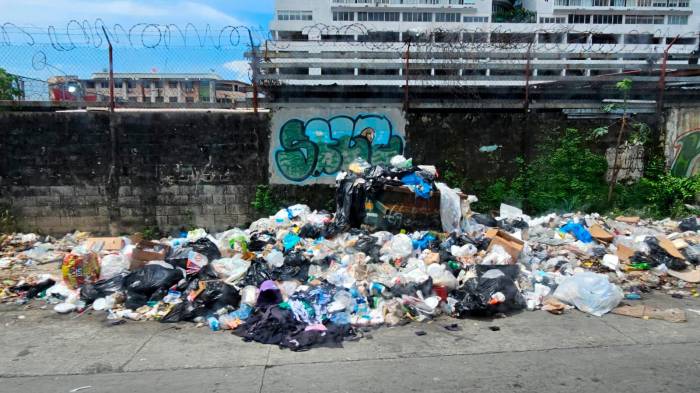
{"points": [[532, 352]]}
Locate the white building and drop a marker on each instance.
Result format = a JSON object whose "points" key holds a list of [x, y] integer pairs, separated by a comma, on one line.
{"points": [[474, 42]]}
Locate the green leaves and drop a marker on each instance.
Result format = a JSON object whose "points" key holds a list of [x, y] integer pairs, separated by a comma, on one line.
{"points": [[9, 86], [624, 85]]}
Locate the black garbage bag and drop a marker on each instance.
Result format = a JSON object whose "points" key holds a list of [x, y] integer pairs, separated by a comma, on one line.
{"points": [[91, 292], [288, 272], [486, 220], [310, 231], [350, 206], [257, 273], [689, 224], [32, 290], [269, 325], [258, 241], [474, 297], [205, 247], [295, 258], [142, 284], [216, 295], [657, 256]]}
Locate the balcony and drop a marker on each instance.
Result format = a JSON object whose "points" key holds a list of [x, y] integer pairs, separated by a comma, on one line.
{"points": [[623, 4], [405, 3]]}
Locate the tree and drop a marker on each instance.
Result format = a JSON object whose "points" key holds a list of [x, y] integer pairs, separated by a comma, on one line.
{"points": [[9, 86]]}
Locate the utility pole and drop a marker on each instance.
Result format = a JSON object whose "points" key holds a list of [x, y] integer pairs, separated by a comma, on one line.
{"points": [[111, 72]]}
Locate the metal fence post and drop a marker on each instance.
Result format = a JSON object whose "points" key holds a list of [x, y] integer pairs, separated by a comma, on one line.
{"points": [[111, 72], [255, 63]]}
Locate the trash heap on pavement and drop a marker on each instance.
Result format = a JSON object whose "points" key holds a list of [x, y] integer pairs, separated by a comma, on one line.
{"points": [[305, 278]]}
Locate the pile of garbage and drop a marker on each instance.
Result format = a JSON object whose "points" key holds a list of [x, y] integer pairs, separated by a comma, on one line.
{"points": [[305, 278]]}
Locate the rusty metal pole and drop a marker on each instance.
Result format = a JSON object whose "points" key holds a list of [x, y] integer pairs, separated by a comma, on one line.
{"points": [[406, 70], [662, 79], [111, 72], [254, 69]]}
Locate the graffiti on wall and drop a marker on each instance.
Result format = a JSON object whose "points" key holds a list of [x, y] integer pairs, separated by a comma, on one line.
{"points": [[324, 146], [686, 159]]}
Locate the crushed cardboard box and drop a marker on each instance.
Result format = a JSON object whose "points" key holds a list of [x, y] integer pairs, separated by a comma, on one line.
{"points": [[510, 243]]}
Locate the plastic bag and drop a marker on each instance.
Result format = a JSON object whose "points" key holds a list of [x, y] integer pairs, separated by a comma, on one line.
{"points": [[400, 246], [143, 284], [578, 230], [113, 264], [275, 259], [230, 270], [450, 210], [494, 291], [207, 248], [589, 292], [497, 256], [91, 292], [80, 269], [441, 276]]}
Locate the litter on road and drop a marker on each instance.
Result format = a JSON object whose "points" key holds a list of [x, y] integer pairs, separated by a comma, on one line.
{"points": [[401, 247]]}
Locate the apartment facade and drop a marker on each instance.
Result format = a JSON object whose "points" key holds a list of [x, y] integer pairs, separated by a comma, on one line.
{"points": [[149, 88], [478, 42]]}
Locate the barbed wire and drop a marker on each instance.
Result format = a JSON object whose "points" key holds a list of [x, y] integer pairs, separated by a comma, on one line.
{"points": [[81, 34]]}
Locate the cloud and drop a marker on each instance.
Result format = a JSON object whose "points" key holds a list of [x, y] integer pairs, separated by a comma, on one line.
{"points": [[126, 12], [240, 68]]}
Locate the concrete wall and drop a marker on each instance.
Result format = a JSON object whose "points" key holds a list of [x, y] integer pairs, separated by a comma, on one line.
{"points": [[67, 171], [310, 145], [683, 141], [89, 171]]}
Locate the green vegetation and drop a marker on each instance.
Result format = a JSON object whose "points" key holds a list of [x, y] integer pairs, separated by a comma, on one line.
{"points": [[9, 86], [567, 175], [264, 202], [8, 222]]}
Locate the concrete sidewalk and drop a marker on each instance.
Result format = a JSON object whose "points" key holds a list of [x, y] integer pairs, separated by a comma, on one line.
{"points": [[532, 351]]}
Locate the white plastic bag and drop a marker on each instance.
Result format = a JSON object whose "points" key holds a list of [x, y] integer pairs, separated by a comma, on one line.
{"points": [[589, 292], [112, 264], [400, 246], [450, 208], [230, 269]]}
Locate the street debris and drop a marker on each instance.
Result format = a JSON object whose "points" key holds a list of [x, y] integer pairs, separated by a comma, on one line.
{"points": [[401, 247]]}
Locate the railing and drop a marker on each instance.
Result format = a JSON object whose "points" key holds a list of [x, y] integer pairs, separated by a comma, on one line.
{"points": [[624, 3]]}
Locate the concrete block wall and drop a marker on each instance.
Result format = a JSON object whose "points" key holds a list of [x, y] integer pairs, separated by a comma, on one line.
{"points": [[61, 172]]}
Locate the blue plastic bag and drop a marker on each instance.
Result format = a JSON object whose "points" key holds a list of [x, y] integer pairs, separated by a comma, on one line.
{"points": [[421, 187], [578, 230]]}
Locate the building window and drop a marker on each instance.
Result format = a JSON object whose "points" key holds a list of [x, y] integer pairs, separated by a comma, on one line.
{"points": [[188, 86], [343, 16], [446, 17], [546, 19], [607, 19], [172, 99], [644, 19], [294, 15], [417, 17], [678, 19], [133, 99], [89, 85], [683, 3], [160, 99], [475, 19], [157, 84], [104, 85], [132, 84], [378, 16], [172, 85], [189, 100], [582, 19]]}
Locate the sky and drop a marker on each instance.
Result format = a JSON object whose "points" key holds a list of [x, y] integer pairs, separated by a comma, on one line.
{"points": [[70, 49]]}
